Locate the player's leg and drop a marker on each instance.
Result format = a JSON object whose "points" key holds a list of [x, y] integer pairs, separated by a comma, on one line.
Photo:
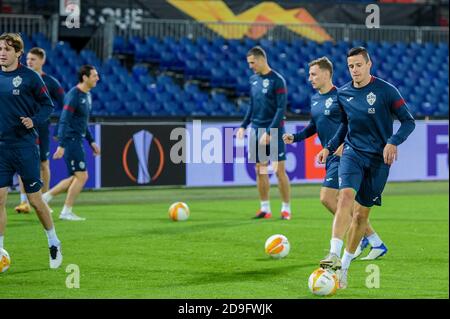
{"points": [[278, 157], [7, 171], [330, 186], [75, 159], [351, 172], [263, 186], [3, 218], [24, 206], [28, 168], [59, 188], [284, 188], [44, 153], [356, 232], [45, 175], [369, 194], [329, 198], [255, 152]]}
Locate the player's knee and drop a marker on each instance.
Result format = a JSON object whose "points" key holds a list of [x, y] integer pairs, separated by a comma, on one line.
{"points": [[346, 197], [326, 200], [2, 200], [360, 218], [82, 176], [45, 165]]}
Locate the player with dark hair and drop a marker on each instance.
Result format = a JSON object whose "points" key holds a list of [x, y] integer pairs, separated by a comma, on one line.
{"points": [[325, 121], [368, 105], [266, 114], [24, 104], [73, 127], [36, 60]]}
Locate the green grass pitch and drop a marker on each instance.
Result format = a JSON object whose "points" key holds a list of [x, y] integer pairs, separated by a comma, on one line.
{"points": [[128, 247]]}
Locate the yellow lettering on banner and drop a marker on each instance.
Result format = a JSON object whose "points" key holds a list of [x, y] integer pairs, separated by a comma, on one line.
{"points": [[267, 14]]}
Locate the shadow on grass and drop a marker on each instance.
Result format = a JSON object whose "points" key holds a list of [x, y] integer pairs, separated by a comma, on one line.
{"points": [[215, 277]]}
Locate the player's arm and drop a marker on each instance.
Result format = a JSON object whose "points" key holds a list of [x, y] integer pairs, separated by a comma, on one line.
{"points": [[407, 122], [308, 131], [400, 109], [42, 97], [281, 102], [337, 139], [91, 141], [246, 121], [58, 97], [70, 105]]}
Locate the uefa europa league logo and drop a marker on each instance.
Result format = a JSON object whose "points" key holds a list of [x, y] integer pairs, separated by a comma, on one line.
{"points": [[142, 141]]}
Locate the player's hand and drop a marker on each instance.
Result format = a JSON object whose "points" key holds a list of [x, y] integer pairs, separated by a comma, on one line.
{"points": [[390, 154], [55, 138], [288, 138], [339, 150], [265, 139], [28, 122], [59, 153], [95, 149], [322, 156], [240, 133]]}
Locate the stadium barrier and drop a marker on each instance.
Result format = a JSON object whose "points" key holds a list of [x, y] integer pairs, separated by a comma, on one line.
{"points": [[178, 29], [206, 154], [30, 24]]}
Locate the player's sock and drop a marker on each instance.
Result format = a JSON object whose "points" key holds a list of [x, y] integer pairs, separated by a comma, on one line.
{"points": [[286, 207], [1, 242], [346, 259], [336, 246], [47, 197], [66, 210], [375, 240], [265, 206], [52, 238], [23, 198]]}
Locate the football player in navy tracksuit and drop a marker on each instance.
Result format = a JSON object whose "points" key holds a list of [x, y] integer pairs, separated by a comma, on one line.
{"points": [[325, 121], [369, 106], [266, 114], [73, 128], [24, 105], [36, 60]]}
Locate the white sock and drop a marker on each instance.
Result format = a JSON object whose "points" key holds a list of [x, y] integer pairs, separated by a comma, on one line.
{"points": [[1, 241], [52, 238], [347, 259], [374, 240], [336, 246], [23, 198], [66, 210], [47, 197], [265, 206], [286, 207]]}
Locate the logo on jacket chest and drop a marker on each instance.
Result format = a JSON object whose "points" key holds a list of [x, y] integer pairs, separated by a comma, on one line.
{"points": [[16, 82], [265, 84], [371, 98]]}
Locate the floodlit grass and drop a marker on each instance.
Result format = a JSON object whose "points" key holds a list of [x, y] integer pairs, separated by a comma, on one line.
{"points": [[128, 247]]}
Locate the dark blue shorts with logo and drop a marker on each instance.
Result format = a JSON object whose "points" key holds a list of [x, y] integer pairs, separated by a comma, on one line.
{"points": [[367, 174], [44, 141], [25, 161], [258, 153], [74, 156], [331, 179]]}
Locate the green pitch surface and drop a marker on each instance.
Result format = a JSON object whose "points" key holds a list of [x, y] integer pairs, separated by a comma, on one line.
{"points": [[128, 248]]}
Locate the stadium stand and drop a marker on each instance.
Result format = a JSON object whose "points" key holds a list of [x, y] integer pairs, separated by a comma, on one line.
{"points": [[210, 78]]}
